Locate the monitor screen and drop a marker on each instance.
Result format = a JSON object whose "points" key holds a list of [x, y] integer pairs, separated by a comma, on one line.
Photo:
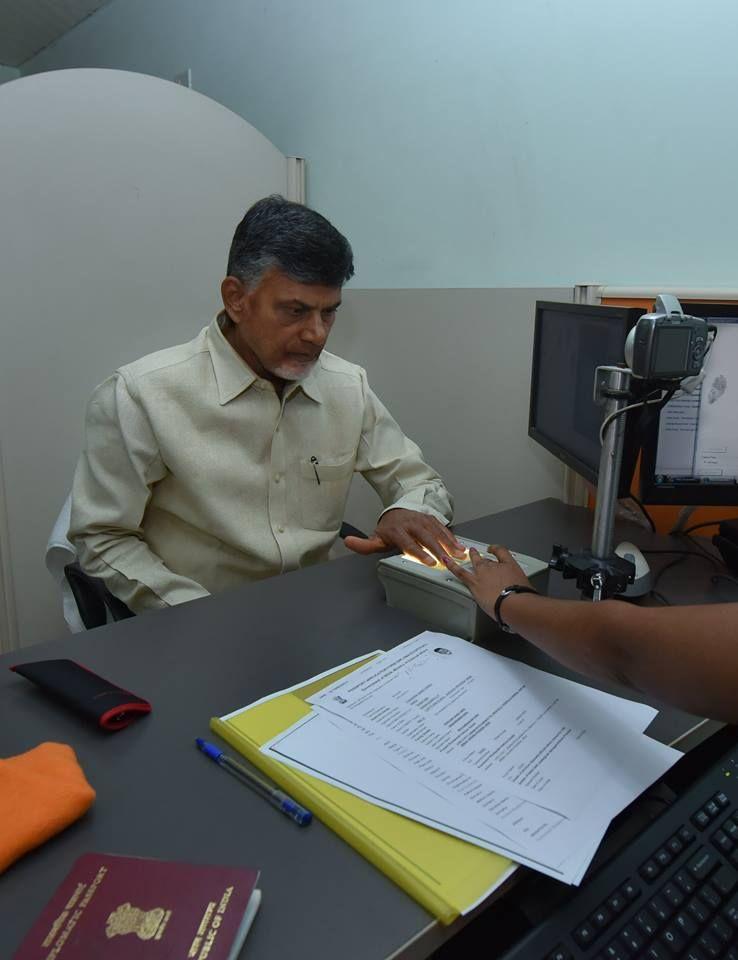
{"points": [[690, 453], [570, 342]]}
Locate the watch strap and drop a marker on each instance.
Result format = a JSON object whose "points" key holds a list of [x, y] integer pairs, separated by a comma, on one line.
{"points": [[515, 588]]}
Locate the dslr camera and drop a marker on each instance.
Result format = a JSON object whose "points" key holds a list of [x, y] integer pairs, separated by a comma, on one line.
{"points": [[667, 344]]}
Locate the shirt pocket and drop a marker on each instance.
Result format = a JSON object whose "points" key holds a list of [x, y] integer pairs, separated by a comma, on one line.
{"points": [[323, 490]]}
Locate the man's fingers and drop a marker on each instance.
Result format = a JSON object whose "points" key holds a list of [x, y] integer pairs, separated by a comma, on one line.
{"points": [[436, 538], [416, 548], [366, 545], [418, 535], [449, 542], [415, 538], [375, 544]]}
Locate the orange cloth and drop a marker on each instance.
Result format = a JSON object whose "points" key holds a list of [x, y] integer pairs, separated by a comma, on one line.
{"points": [[41, 792]]}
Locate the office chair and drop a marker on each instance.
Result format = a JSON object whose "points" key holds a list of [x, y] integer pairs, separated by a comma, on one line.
{"points": [[86, 601], [95, 602]]}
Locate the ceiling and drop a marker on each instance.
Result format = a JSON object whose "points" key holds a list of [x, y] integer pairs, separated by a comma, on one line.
{"points": [[27, 26]]}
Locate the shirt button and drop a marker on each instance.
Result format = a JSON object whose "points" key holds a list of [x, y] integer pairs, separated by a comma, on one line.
{"points": [[277, 477], [280, 529]]}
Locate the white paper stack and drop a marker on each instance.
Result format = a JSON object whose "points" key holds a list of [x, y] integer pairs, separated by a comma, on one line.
{"points": [[510, 758]]}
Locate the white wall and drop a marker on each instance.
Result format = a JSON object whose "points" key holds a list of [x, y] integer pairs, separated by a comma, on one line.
{"points": [[475, 143], [117, 215], [453, 367]]}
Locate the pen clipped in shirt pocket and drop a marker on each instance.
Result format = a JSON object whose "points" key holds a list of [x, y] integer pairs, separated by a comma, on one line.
{"points": [[324, 487]]}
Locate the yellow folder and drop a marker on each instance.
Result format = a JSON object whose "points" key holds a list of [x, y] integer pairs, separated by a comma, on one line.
{"points": [[446, 875]]}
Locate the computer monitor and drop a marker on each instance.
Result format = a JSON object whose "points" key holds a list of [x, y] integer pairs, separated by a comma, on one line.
{"points": [[570, 342], [690, 450]]}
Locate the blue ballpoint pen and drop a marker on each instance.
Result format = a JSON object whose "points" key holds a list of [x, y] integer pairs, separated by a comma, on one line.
{"points": [[276, 797]]}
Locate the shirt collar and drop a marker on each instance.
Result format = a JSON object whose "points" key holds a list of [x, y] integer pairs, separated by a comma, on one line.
{"points": [[233, 375], [310, 386]]}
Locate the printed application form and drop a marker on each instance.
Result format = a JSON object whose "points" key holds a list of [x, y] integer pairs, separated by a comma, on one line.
{"points": [[485, 748], [319, 746], [467, 718]]}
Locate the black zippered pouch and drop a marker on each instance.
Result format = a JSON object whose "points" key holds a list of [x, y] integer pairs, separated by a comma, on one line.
{"points": [[87, 694]]}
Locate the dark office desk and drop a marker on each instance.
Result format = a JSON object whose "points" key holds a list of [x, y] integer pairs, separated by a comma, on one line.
{"points": [[157, 796]]}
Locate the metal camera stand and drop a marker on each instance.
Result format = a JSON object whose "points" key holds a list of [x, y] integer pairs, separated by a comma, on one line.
{"points": [[600, 573]]}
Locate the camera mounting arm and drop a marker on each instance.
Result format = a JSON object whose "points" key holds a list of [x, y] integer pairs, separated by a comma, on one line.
{"points": [[663, 349], [600, 573]]}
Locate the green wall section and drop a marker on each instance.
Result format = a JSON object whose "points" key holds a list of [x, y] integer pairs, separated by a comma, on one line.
{"points": [[8, 73], [474, 143]]}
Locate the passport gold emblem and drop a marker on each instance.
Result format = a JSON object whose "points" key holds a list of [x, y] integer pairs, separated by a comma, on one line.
{"points": [[129, 919]]}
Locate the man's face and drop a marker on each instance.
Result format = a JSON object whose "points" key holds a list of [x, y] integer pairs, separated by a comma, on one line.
{"points": [[280, 326]]}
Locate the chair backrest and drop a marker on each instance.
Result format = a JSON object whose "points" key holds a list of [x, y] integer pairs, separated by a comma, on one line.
{"points": [[86, 601], [59, 553]]}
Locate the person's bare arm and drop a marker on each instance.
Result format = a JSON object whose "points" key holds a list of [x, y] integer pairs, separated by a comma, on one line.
{"points": [[686, 656]]}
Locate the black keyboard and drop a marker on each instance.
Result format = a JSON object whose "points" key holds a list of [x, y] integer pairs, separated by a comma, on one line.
{"points": [[672, 892]]}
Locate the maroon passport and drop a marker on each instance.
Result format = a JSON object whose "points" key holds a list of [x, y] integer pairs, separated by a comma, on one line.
{"points": [[121, 908]]}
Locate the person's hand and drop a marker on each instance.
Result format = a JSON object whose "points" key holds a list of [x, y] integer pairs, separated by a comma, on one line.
{"points": [[410, 532], [489, 577]]}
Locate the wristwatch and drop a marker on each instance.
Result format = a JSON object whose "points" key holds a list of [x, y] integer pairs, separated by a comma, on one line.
{"points": [[515, 588]]}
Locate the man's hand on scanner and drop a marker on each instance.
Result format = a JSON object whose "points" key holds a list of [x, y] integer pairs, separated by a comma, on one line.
{"points": [[416, 534]]}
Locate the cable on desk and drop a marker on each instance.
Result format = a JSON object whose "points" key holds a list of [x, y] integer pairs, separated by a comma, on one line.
{"points": [[716, 561], [686, 553], [681, 555], [643, 510], [699, 526], [668, 566], [723, 576], [661, 597]]}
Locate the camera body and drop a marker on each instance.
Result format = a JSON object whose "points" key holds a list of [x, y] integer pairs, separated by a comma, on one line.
{"points": [[667, 344]]}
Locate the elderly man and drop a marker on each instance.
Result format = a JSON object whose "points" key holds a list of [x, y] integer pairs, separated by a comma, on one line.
{"points": [[230, 458]]}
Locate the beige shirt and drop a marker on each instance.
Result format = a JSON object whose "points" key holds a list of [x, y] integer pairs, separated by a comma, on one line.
{"points": [[196, 477]]}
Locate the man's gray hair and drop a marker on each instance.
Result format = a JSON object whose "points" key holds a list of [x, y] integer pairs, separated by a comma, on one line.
{"points": [[293, 238]]}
